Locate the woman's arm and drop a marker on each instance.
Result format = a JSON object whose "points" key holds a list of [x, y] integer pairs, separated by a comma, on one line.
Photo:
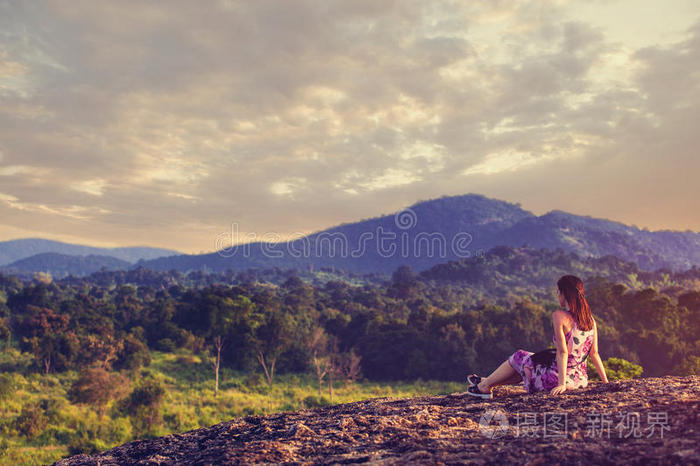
{"points": [[595, 357], [562, 351]]}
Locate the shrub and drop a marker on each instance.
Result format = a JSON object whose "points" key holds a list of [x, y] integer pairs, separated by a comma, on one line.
{"points": [[52, 408], [617, 369], [689, 366], [57, 434], [313, 401], [6, 386], [253, 379], [187, 360], [85, 446], [97, 386], [134, 354], [5, 334], [31, 421], [149, 393], [166, 345], [120, 430], [143, 405]]}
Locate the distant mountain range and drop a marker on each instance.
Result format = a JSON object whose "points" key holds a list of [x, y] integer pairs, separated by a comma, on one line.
{"points": [[16, 250], [423, 235], [450, 228], [62, 265]]}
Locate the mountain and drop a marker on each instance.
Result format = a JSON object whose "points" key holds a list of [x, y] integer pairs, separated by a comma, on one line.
{"points": [[449, 228], [422, 235], [14, 250], [638, 421], [588, 236], [62, 265]]}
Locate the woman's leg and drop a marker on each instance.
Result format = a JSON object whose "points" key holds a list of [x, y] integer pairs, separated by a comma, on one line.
{"points": [[503, 375]]}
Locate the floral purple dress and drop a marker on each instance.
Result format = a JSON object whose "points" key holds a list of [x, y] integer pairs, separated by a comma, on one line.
{"points": [[543, 378]]}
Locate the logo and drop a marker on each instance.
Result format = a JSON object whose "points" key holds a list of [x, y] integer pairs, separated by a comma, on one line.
{"points": [[493, 423], [406, 218]]}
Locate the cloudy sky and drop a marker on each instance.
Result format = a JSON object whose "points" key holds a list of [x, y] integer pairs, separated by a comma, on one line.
{"points": [[161, 123]]}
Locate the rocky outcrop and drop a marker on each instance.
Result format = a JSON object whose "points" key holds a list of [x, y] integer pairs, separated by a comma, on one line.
{"points": [[642, 421]]}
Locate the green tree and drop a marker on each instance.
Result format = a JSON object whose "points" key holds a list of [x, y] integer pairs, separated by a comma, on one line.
{"points": [[317, 347], [217, 346], [271, 338], [134, 354], [56, 352], [404, 283]]}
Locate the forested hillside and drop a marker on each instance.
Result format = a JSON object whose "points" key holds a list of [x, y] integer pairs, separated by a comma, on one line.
{"points": [[436, 324]]}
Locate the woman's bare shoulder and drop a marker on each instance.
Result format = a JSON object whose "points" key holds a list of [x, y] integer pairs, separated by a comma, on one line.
{"points": [[563, 318], [562, 315]]}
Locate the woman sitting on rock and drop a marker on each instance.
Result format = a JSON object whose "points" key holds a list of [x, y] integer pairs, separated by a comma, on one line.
{"points": [[575, 336]]}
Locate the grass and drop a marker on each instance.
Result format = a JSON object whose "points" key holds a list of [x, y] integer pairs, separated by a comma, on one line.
{"points": [[39, 425]]}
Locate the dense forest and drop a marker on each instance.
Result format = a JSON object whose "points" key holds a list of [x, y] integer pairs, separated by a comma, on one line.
{"points": [[455, 318], [459, 316]]}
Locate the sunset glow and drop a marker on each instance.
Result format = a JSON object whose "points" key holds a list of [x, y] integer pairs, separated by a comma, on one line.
{"points": [[161, 123]]}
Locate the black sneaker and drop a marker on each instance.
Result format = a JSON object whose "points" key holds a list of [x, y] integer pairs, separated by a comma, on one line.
{"points": [[473, 379], [473, 390]]}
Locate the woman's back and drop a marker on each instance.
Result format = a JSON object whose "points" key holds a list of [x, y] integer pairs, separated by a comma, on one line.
{"points": [[579, 343]]}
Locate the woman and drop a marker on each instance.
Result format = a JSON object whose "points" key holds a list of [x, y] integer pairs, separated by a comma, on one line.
{"points": [[575, 334]]}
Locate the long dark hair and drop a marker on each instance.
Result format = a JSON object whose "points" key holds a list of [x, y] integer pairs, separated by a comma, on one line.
{"points": [[572, 288]]}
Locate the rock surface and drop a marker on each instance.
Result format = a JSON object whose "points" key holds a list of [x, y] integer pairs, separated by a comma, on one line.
{"points": [[642, 421]]}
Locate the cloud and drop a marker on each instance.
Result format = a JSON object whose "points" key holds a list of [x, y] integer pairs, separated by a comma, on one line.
{"points": [[163, 123]]}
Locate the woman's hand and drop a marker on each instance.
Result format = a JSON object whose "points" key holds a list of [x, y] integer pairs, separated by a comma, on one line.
{"points": [[558, 389]]}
